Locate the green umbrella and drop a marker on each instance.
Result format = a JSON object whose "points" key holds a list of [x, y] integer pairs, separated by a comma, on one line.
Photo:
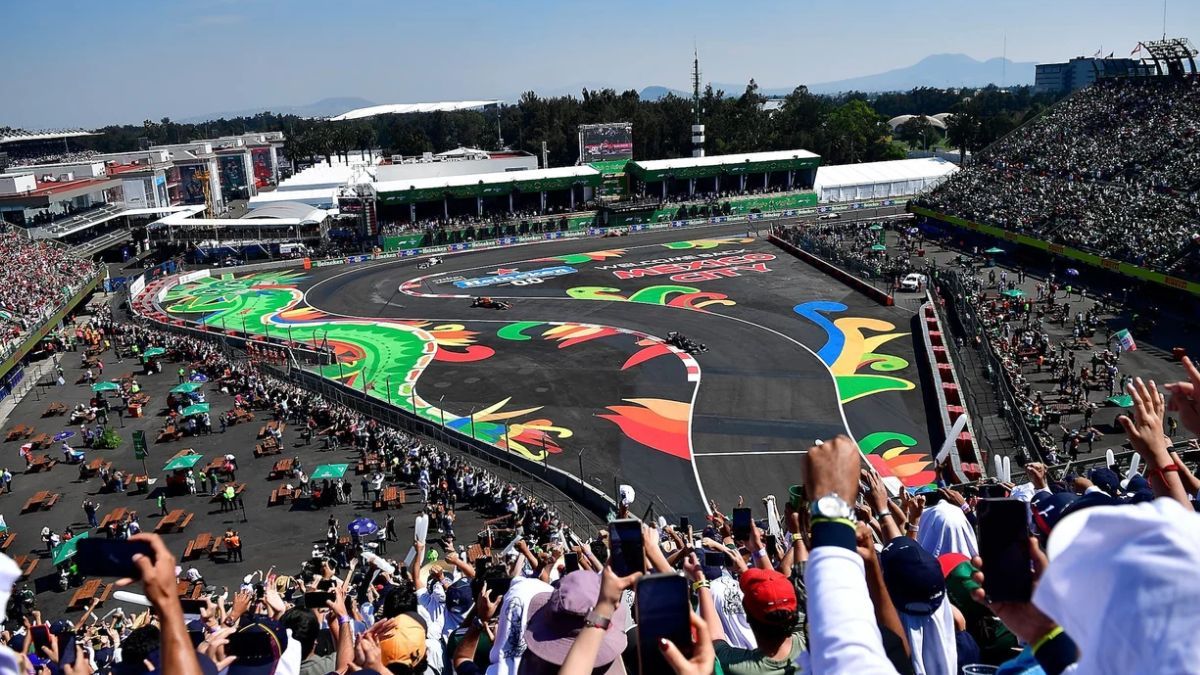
{"points": [[1013, 293], [182, 462], [994, 251], [329, 471], [1121, 400], [154, 351], [195, 409], [875, 228], [66, 550], [186, 388], [878, 247], [105, 386]]}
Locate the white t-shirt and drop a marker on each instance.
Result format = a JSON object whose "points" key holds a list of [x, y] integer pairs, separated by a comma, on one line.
{"points": [[727, 599], [505, 656], [433, 611]]}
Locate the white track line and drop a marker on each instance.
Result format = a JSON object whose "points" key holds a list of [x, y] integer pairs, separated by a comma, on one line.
{"points": [[751, 452]]}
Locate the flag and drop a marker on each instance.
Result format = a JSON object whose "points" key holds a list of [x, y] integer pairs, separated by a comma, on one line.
{"points": [[1110, 55], [1136, 49], [1099, 53], [1126, 340]]}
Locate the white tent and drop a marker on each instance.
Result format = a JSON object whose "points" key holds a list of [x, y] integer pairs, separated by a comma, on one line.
{"points": [[880, 180]]}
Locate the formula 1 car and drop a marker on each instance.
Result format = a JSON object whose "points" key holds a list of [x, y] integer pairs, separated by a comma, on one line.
{"points": [[429, 263], [488, 303], [685, 343]]}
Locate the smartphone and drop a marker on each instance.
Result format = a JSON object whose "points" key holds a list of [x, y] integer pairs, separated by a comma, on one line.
{"points": [[317, 599], [110, 557], [1004, 547], [932, 497], [993, 491], [41, 638], [663, 611], [252, 648], [191, 605], [712, 563], [772, 545], [684, 524], [625, 540], [741, 524], [570, 562]]}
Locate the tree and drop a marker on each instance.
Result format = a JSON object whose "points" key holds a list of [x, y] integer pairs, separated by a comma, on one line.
{"points": [[918, 131], [856, 132], [963, 128]]}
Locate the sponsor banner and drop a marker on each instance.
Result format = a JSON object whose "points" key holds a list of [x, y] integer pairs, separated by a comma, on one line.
{"points": [[516, 278]]}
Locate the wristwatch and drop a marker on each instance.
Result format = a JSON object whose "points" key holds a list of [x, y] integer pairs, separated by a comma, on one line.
{"points": [[595, 620], [832, 507]]}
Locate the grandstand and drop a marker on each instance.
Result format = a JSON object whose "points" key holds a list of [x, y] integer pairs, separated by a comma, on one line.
{"points": [[1108, 177]]}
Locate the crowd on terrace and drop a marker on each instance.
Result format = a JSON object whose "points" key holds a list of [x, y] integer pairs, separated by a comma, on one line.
{"points": [[1114, 169], [36, 280]]}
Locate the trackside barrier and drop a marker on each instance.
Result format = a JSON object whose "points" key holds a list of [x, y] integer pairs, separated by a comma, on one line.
{"points": [[964, 462], [836, 272]]}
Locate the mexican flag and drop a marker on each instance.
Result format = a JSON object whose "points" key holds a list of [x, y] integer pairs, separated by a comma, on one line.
{"points": [[1125, 340]]}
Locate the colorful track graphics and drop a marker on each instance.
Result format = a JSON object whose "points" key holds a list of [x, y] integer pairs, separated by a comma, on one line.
{"points": [[386, 359]]}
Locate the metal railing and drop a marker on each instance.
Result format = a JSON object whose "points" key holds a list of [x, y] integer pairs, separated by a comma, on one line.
{"points": [[1002, 396]]}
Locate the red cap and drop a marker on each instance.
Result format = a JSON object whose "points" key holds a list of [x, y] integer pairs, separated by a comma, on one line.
{"points": [[949, 561], [766, 591]]}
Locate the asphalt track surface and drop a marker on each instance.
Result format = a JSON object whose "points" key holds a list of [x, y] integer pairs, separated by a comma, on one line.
{"points": [[763, 396]]}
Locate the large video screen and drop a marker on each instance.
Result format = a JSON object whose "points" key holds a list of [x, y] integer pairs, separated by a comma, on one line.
{"points": [[263, 168], [191, 183], [603, 142]]}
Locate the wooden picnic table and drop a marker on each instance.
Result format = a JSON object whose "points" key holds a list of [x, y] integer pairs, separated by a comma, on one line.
{"points": [[242, 415], [28, 563], [41, 440], [267, 447], [176, 520], [19, 431], [54, 409], [369, 464], [281, 495], [238, 489], [273, 425], [41, 500], [200, 544], [139, 482], [93, 467], [114, 517], [217, 464], [6, 540], [168, 433], [91, 590], [391, 498], [282, 468], [40, 463]]}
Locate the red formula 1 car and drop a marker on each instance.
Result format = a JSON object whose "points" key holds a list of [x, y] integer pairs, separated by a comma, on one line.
{"points": [[488, 303]]}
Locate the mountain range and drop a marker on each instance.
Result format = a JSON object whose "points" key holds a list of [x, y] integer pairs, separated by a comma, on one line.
{"points": [[937, 70]]}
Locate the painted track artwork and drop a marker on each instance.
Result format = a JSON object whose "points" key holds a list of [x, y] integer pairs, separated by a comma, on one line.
{"points": [[577, 373]]}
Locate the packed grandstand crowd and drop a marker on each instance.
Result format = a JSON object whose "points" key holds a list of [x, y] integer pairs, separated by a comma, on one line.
{"points": [[36, 281], [1114, 169]]}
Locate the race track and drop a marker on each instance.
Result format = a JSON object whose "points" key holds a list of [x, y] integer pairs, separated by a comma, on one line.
{"points": [[575, 374]]}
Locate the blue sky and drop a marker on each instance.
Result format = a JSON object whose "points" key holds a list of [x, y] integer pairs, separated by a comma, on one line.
{"points": [[84, 63]]}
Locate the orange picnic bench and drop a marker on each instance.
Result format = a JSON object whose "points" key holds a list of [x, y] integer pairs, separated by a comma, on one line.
{"points": [[28, 563], [18, 431], [41, 501], [92, 589], [176, 520], [282, 468], [199, 545], [282, 495], [392, 497]]}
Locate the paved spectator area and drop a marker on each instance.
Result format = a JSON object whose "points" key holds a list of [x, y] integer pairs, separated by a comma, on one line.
{"points": [[281, 536], [1152, 359]]}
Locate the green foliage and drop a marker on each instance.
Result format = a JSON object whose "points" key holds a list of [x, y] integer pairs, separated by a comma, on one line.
{"points": [[108, 440], [846, 128]]}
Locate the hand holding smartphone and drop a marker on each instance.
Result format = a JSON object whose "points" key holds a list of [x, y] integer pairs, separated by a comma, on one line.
{"points": [[627, 553], [741, 524], [663, 611], [1004, 548], [110, 557]]}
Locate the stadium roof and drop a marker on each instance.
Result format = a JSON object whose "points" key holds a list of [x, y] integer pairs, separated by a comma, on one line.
{"points": [[484, 184], [873, 180], [704, 167], [20, 135], [305, 213], [320, 197], [405, 108]]}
